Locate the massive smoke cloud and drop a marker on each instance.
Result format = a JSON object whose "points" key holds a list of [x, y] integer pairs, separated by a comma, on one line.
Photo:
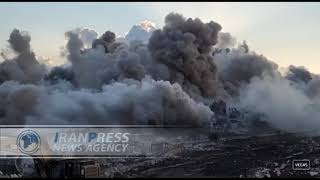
{"points": [[109, 61], [97, 66], [288, 102], [129, 102], [170, 79], [110, 82], [185, 46]]}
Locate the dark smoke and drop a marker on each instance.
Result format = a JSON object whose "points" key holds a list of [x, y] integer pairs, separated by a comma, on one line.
{"points": [[299, 74], [107, 38], [185, 46], [119, 89], [313, 88], [60, 73], [23, 67], [172, 79], [19, 41], [238, 66]]}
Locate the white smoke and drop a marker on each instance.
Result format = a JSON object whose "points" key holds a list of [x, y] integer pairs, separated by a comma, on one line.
{"points": [[127, 102], [285, 106], [288, 101], [141, 31], [87, 35]]}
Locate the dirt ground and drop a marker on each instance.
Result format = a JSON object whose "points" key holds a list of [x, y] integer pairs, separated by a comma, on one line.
{"points": [[263, 156]]}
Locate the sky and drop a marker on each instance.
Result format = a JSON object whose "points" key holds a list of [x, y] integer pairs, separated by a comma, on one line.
{"points": [[287, 32]]}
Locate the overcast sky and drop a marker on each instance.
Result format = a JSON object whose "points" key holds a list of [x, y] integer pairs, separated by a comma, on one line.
{"points": [[287, 33]]}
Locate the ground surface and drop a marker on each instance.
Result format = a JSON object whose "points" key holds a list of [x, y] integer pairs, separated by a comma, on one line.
{"points": [[258, 156], [263, 156]]}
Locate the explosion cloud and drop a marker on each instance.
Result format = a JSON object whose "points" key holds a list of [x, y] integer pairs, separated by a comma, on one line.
{"points": [[164, 76], [185, 46], [23, 67], [285, 106], [129, 102]]}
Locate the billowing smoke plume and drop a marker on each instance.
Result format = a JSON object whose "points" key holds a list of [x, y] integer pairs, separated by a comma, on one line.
{"points": [[105, 40], [185, 46], [23, 67], [87, 35], [225, 40], [298, 74], [284, 106], [240, 67], [20, 41], [107, 61], [129, 102], [110, 82], [167, 80], [304, 80], [288, 102], [237, 66]]}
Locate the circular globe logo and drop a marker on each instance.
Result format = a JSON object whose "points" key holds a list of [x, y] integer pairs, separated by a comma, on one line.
{"points": [[28, 142]]}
